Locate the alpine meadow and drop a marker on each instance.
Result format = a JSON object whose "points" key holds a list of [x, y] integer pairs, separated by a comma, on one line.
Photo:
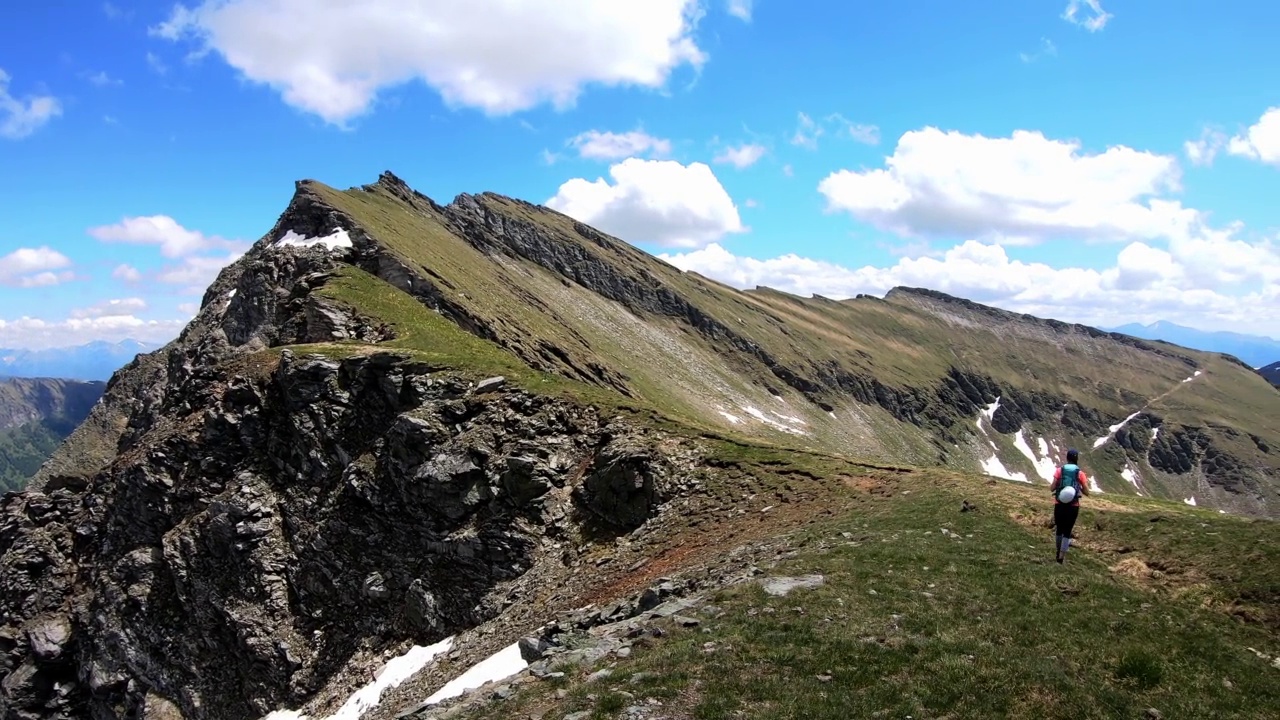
{"points": [[638, 360]]}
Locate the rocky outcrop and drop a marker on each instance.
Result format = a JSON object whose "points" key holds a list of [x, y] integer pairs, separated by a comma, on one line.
{"points": [[235, 561]]}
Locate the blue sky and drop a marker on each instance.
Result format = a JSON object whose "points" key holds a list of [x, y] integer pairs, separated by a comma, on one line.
{"points": [[1099, 161]]}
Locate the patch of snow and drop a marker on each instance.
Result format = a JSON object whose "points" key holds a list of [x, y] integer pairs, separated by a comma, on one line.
{"points": [[731, 418], [232, 293], [499, 666], [1044, 466], [993, 466], [335, 240], [1222, 512], [1197, 374], [990, 411], [1044, 447], [1129, 474], [1094, 486], [396, 671], [1124, 422], [1155, 433], [1103, 440], [788, 418], [833, 416], [757, 414], [1190, 501]]}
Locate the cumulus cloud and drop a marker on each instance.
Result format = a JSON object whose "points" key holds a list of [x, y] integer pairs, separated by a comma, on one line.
{"points": [[1144, 283], [1204, 150], [126, 273], [494, 55], [1087, 14], [37, 334], [598, 145], [34, 267], [1025, 188], [163, 231], [195, 273], [742, 156], [653, 201], [21, 117], [111, 308], [740, 9], [1261, 141]]}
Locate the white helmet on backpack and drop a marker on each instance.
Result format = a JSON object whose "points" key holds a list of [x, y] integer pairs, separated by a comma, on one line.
{"points": [[1066, 494]]}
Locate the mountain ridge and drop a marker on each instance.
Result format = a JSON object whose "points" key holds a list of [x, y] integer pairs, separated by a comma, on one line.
{"points": [[1252, 350], [394, 422], [92, 361]]}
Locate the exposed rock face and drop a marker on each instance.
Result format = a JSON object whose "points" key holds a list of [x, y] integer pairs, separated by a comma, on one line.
{"points": [[234, 562]]}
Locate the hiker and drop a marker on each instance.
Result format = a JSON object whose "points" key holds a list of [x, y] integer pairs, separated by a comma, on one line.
{"points": [[1069, 483]]}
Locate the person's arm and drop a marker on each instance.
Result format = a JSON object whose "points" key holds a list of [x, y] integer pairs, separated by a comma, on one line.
{"points": [[1057, 480], [1084, 483]]}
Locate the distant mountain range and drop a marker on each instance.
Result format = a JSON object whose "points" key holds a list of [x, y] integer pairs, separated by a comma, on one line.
{"points": [[1271, 373], [1255, 350], [91, 361], [36, 415]]}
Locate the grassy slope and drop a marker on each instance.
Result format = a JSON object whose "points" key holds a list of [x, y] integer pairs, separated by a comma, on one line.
{"points": [[912, 622], [906, 342]]}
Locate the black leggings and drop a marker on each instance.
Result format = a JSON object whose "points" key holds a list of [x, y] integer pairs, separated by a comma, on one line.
{"points": [[1064, 518]]}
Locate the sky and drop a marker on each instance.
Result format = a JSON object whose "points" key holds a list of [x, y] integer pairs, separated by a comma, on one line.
{"points": [[1097, 161]]}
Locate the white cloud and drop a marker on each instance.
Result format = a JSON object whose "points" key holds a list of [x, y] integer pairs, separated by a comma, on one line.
{"points": [[598, 145], [36, 334], [495, 55], [162, 230], [156, 64], [653, 201], [1261, 141], [195, 273], [1145, 283], [740, 9], [1093, 18], [786, 170], [743, 156], [20, 118], [1204, 150], [189, 309], [864, 133], [127, 273], [111, 308], [1046, 48], [102, 79], [807, 132], [1024, 188], [34, 267]]}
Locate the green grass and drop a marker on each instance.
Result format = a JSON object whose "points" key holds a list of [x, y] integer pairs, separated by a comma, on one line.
{"points": [[912, 622], [908, 342], [427, 337]]}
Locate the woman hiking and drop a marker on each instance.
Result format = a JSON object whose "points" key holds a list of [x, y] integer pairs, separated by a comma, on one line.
{"points": [[1069, 483]]}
